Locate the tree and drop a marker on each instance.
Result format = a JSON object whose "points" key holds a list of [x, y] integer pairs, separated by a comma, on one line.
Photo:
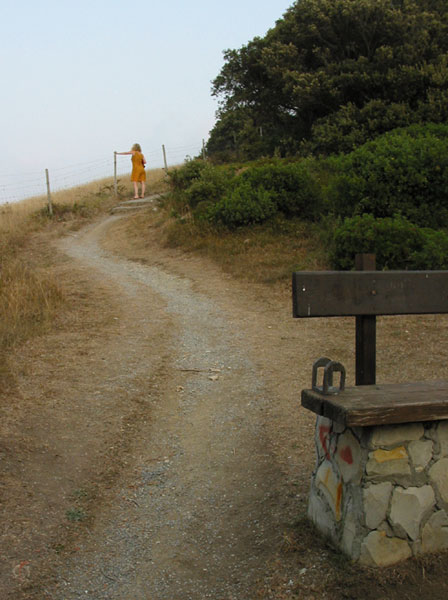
{"points": [[332, 74]]}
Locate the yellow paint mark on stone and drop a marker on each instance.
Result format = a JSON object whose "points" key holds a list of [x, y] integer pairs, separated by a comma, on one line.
{"points": [[398, 453], [338, 501], [328, 482]]}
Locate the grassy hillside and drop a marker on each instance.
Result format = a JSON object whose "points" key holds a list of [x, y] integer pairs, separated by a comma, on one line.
{"points": [[30, 295]]}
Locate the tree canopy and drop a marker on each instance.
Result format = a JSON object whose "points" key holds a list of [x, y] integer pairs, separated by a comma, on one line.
{"points": [[331, 75]]}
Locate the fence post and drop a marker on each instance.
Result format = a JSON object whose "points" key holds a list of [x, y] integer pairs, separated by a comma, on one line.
{"points": [[50, 205], [115, 175], [164, 158]]}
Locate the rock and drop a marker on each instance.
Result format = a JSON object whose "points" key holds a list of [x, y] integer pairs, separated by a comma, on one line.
{"points": [[438, 475], [376, 502], [324, 437], [408, 509], [392, 435], [382, 456], [349, 458], [349, 535], [442, 438], [338, 427], [319, 513], [420, 452], [389, 464], [435, 533], [330, 485], [379, 550]]}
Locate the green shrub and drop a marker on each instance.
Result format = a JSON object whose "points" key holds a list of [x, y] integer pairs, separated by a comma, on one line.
{"points": [[292, 188], [404, 171], [397, 243], [210, 186], [244, 205], [434, 254], [182, 177], [392, 239]]}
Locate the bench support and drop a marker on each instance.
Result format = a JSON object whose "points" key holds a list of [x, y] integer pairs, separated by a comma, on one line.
{"points": [[379, 490], [365, 332]]}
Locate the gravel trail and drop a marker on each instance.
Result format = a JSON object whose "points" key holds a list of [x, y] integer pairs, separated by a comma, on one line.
{"points": [[199, 511]]}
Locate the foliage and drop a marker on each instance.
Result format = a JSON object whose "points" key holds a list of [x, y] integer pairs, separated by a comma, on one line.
{"points": [[404, 171], [182, 177], [393, 240], [210, 186], [331, 75], [397, 243], [292, 187], [434, 254], [244, 205]]}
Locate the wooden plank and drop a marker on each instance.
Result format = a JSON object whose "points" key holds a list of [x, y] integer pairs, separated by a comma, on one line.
{"points": [[382, 404], [365, 350], [351, 293], [365, 347]]}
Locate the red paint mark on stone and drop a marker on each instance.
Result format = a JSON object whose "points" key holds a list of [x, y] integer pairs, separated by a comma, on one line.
{"points": [[324, 431], [346, 455], [338, 501]]}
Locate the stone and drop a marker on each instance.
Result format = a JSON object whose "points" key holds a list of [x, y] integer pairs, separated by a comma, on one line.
{"points": [[376, 502], [438, 475], [320, 514], [349, 458], [408, 509], [379, 550], [420, 452], [435, 533], [392, 435], [338, 427], [330, 485], [323, 437], [389, 465], [442, 438], [349, 535], [382, 456]]}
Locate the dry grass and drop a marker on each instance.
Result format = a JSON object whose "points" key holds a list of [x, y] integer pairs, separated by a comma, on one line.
{"points": [[263, 254], [29, 292]]}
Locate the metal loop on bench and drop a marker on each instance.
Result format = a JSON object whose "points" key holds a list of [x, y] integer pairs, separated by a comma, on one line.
{"points": [[330, 367]]}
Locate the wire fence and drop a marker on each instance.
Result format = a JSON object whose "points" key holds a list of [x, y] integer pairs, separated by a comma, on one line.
{"points": [[14, 188]]}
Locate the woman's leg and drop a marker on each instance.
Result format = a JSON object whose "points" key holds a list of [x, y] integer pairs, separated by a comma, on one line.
{"points": [[143, 189], [135, 189]]}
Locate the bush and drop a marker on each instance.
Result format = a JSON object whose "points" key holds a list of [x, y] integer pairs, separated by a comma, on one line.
{"points": [[210, 186], [393, 240], [244, 205], [404, 171], [182, 177], [292, 188], [397, 243], [434, 254]]}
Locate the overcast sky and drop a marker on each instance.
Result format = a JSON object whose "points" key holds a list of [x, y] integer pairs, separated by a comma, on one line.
{"points": [[82, 78]]}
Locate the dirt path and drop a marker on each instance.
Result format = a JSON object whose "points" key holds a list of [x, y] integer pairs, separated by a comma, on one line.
{"points": [[154, 447], [160, 459], [204, 510]]}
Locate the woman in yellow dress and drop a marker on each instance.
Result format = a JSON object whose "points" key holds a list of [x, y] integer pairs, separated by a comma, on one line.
{"points": [[138, 174]]}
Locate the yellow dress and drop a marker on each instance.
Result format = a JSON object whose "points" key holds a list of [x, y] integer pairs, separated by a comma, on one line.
{"points": [[138, 168]]}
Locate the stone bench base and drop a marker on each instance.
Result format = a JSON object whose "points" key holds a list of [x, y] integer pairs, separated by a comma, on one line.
{"points": [[380, 493]]}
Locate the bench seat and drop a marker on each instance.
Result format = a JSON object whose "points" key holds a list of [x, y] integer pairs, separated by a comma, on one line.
{"points": [[367, 405]]}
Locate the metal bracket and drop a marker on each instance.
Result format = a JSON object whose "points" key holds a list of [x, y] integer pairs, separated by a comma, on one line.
{"points": [[330, 367]]}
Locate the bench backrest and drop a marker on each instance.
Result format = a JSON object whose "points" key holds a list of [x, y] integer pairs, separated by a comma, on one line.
{"points": [[366, 294], [352, 293]]}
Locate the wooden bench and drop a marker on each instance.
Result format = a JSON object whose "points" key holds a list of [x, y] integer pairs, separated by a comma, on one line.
{"points": [[366, 294], [379, 489]]}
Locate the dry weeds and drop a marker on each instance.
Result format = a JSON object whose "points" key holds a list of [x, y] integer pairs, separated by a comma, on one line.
{"points": [[29, 292]]}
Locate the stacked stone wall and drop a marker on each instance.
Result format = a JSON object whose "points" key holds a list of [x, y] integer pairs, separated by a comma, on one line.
{"points": [[381, 493]]}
